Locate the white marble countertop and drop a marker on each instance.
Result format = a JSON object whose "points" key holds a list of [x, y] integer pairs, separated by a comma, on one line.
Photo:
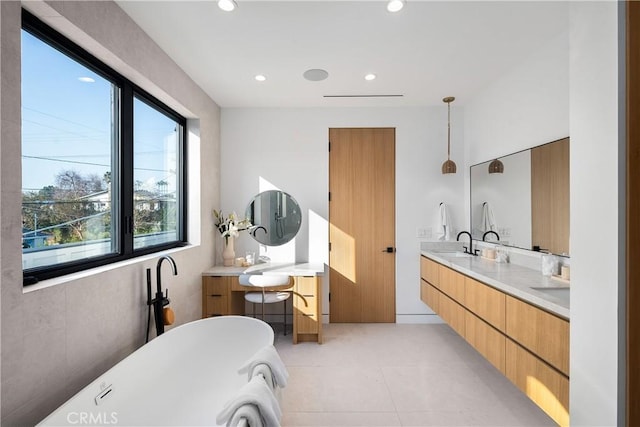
{"points": [[512, 279], [288, 268]]}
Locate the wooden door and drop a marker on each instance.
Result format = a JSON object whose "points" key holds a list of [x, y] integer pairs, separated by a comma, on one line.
{"points": [[362, 225]]}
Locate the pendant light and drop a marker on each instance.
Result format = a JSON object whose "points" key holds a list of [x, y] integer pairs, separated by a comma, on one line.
{"points": [[449, 166], [496, 166]]}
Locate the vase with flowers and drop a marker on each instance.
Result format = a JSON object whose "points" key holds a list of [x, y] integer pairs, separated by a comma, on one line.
{"points": [[230, 228]]}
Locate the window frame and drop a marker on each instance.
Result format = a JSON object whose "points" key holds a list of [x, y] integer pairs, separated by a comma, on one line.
{"points": [[123, 161]]}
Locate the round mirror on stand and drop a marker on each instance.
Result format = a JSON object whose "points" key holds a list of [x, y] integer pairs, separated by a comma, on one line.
{"points": [[276, 217]]}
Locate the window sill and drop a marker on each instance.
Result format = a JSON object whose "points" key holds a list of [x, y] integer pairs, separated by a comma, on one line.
{"points": [[92, 272]]}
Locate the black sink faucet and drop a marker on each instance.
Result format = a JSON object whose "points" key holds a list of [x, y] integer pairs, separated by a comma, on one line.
{"points": [[160, 300], [490, 232], [173, 267], [470, 249]]}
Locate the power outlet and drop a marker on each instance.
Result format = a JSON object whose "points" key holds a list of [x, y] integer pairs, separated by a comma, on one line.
{"points": [[424, 233]]}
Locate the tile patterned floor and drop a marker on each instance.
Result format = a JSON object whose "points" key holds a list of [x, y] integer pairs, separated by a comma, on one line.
{"points": [[397, 375]]}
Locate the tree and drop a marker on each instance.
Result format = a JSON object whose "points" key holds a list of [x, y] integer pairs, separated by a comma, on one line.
{"points": [[77, 209], [64, 208]]}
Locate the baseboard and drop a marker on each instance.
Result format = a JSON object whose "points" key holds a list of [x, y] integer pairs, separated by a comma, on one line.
{"points": [[400, 318], [405, 318], [418, 318]]}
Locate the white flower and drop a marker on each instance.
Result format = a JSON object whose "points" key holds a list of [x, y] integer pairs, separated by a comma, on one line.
{"points": [[233, 230], [230, 226]]}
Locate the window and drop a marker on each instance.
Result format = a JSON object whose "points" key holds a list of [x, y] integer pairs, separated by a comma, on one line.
{"points": [[156, 140], [103, 162]]}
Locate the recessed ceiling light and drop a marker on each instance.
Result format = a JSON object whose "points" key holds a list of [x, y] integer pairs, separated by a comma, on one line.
{"points": [[315, 75], [227, 5], [86, 79], [370, 77], [395, 5], [260, 77]]}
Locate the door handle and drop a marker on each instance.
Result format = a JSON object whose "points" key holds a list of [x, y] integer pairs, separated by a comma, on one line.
{"points": [[389, 249]]}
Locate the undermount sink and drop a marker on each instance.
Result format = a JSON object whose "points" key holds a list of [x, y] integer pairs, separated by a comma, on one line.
{"points": [[562, 293], [456, 254]]}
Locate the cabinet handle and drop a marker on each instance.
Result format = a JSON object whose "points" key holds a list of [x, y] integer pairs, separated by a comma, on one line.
{"points": [[215, 315], [309, 296], [215, 295], [308, 315]]}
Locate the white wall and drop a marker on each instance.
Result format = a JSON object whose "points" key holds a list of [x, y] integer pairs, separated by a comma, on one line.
{"points": [[57, 339], [288, 148], [596, 200], [525, 107]]}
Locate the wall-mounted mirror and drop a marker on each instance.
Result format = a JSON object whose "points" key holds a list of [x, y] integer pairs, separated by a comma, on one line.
{"points": [[528, 203], [276, 217]]}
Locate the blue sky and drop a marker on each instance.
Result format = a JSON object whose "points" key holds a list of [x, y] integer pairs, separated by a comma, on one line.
{"points": [[66, 122]]}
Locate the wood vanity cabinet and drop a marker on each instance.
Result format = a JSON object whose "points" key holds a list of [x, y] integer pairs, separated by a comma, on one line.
{"points": [[430, 271], [429, 295], [217, 299], [540, 332], [452, 313], [527, 344], [307, 309], [452, 283], [548, 388], [486, 302], [224, 296], [486, 340]]}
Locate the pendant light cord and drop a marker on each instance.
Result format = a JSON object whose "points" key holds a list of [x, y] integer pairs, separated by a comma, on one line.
{"points": [[448, 130]]}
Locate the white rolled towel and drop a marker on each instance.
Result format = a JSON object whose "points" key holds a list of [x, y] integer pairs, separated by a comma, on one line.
{"points": [[246, 416], [267, 355], [264, 370], [256, 392]]}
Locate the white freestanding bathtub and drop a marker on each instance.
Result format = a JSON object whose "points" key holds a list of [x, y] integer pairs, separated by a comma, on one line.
{"points": [[181, 378]]}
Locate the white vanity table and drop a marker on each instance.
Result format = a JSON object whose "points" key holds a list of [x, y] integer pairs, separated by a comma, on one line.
{"points": [[223, 295]]}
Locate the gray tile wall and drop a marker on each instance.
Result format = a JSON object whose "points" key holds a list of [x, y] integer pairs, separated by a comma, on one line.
{"points": [[56, 340]]}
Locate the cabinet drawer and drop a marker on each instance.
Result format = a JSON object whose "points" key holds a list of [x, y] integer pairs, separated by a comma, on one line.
{"points": [[451, 312], [215, 295], [306, 286], [307, 308], [452, 283], [216, 289], [216, 285], [310, 308], [486, 340], [429, 271], [217, 298], [305, 298], [307, 323], [429, 295], [545, 386], [485, 302], [542, 333], [216, 305]]}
